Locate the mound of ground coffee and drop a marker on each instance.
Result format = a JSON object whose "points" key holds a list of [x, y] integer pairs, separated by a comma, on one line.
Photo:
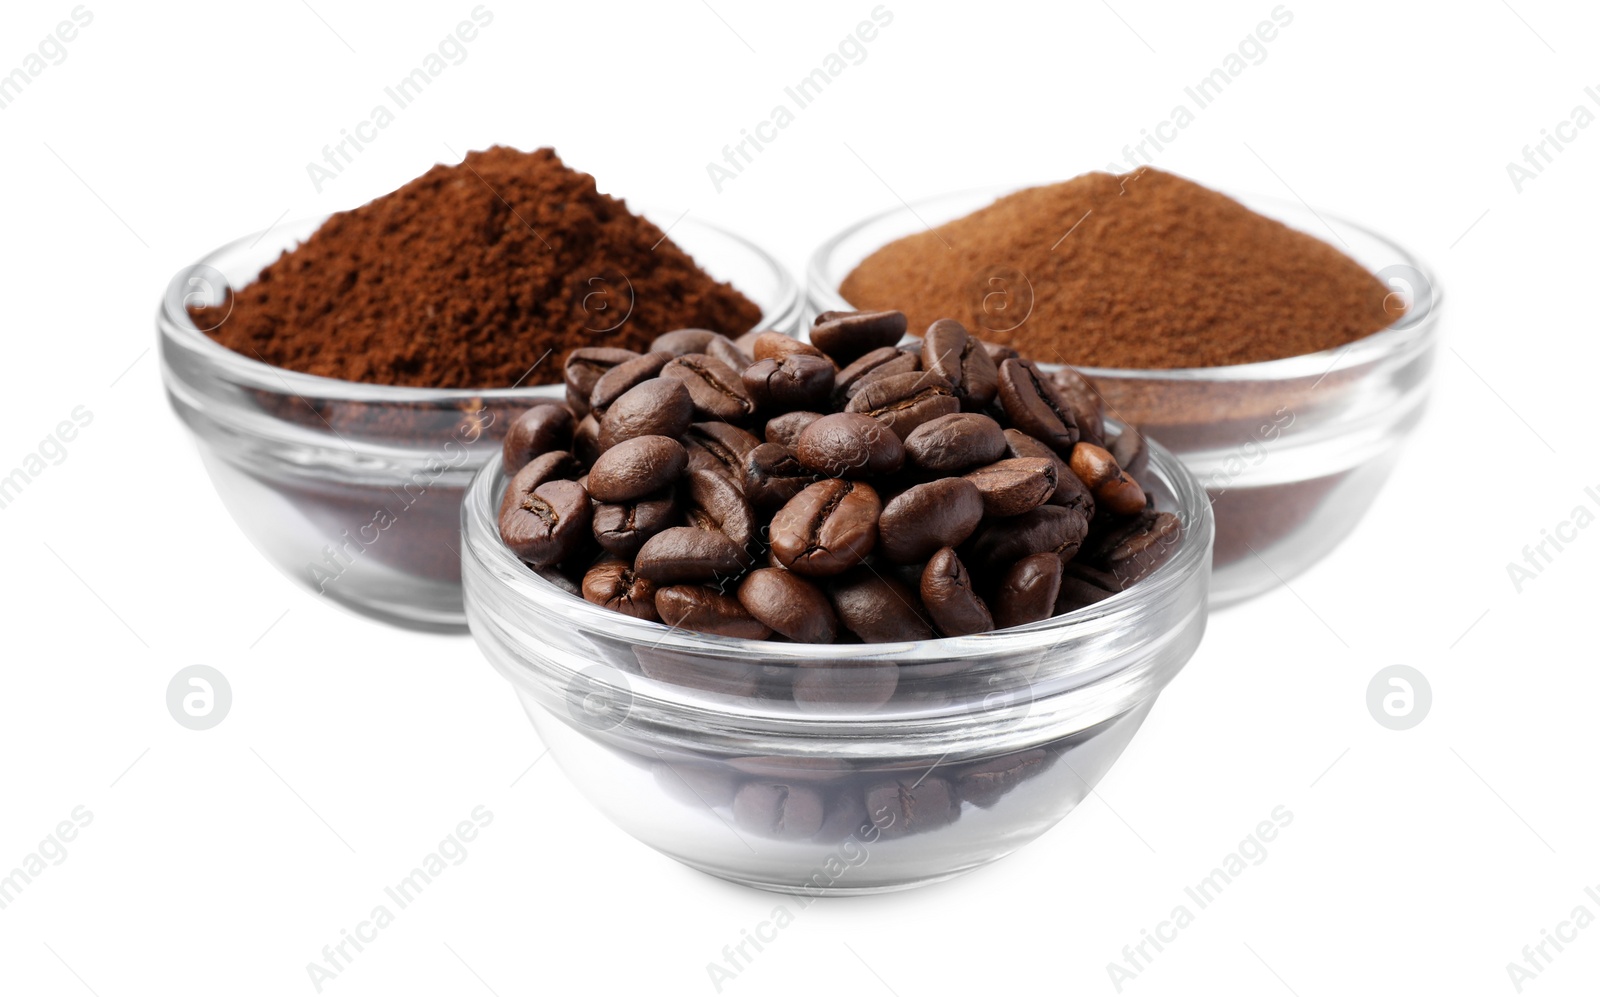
{"points": [[469, 274], [1145, 270]]}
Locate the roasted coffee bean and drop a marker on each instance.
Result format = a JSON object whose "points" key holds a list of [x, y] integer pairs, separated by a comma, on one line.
{"points": [[947, 593], [617, 381], [826, 529], [788, 811], [724, 349], [720, 447], [560, 581], [623, 527], [796, 381], [849, 445], [954, 443], [717, 390], [1002, 542], [614, 584], [1130, 451], [925, 517], [844, 336], [716, 503], [912, 804], [845, 683], [905, 401], [879, 363], [983, 783], [1132, 552], [689, 554], [879, 609], [535, 432], [777, 346], [1036, 405], [999, 353], [790, 605], [552, 466], [654, 407], [1027, 591], [635, 468], [1088, 408], [585, 367], [547, 524], [681, 341], [785, 429], [948, 350], [586, 439], [705, 609], [1013, 486], [1070, 493], [773, 476], [1113, 490], [1083, 586]]}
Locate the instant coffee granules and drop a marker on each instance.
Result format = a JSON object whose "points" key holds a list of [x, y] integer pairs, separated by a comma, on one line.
{"points": [[467, 276], [1144, 270]]}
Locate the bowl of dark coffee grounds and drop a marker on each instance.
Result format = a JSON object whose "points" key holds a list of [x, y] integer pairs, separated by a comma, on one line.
{"points": [[340, 462], [1282, 353], [748, 663]]}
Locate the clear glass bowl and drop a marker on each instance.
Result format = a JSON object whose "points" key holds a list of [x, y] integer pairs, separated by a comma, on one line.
{"points": [[954, 753], [355, 489], [1292, 451]]}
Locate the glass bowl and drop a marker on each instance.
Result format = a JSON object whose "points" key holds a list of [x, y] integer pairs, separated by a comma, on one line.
{"points": [[902, 764], [355, 489], [1292, 452]]}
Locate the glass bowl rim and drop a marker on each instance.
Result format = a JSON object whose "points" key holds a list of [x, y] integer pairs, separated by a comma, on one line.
{"points": [[1404, 334], [174, 321]]}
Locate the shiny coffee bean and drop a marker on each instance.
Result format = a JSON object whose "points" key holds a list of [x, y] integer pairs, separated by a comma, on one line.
{"points": [[635, 468], [788, 811], [879, 363], [1027, 591], [955, 443], [718, 391], [879, 609], [785, 429], [983, 783], [1036, 405], [1132, 552], [704, 609], [925, 517], [621, 528], [773, 476], [689, 554], [777, 346], [546, 525], [681, 341], [1130, 451], [1013, 486], [849, 445], [538, 431], [716, 503], [733, 677], [1002, 542], [586, 439], [1000, 353], [947, 593], [826, 529], [654, 407], [1082, 585], [560, 581], [617, 381], [584, 368], [830, 685], [790, 605], [614, 584], [720, 447], [724, 349], [1070, 492], [905, 401], [911, 804], [844, 336], [552, 466], [1113, 490], [948, 350], [796, 381], [1088, 408]]}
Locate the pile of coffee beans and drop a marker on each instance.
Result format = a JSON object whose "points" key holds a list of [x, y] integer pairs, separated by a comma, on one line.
{"points": [[856, 488]]}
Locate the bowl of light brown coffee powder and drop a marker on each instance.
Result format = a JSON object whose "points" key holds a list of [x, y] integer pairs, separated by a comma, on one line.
{"points": [[345, 377], [1282, 353]]}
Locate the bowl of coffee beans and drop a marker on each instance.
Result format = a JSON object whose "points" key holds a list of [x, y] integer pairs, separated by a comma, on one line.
{"points": [[852, 615], [1282, 353]]}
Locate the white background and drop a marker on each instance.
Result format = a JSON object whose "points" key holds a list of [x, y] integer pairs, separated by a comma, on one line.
{"points": [[221, 862]]}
